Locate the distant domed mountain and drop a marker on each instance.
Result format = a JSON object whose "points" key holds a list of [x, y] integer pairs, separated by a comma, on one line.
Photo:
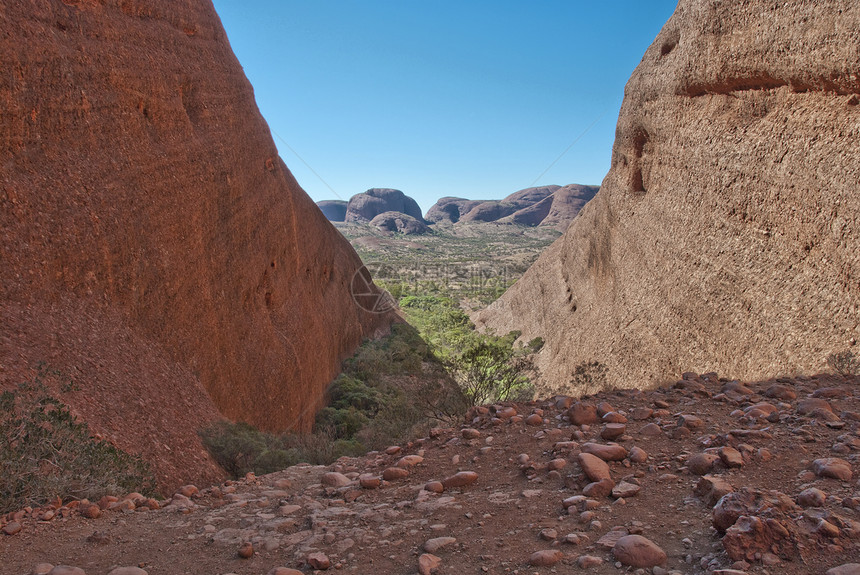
{"points": [[364, 207], [541, 206]]}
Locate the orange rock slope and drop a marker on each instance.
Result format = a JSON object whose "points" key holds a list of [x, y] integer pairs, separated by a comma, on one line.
{"points": [[156, 250], [725, 236]]}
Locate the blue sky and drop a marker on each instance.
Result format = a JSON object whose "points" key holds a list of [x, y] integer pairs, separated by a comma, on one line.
{"points": [[474, 99]]}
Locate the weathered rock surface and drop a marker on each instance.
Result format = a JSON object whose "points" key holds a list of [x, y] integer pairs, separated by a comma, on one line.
{"points": [[154, 244], [724, 236], [333, 210], [362, 208]]}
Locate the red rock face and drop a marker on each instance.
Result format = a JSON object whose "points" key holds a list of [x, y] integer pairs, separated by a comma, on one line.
{"points": [[155, 247]]}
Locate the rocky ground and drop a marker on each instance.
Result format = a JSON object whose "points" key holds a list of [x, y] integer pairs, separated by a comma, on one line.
{"points": [[708, 475]]}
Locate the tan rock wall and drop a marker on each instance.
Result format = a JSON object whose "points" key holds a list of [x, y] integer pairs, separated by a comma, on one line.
{"points": [[725, 236]]}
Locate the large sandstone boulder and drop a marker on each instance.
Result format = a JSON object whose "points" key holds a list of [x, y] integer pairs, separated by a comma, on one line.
{"points": [[725, 235], [400, 223], [156, 250], [362, 208], [333, 210]]}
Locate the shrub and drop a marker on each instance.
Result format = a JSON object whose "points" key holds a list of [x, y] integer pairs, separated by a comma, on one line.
{"points": [[844, 363], [240, 448], [589, 377], [45, 453], [491, 369]]}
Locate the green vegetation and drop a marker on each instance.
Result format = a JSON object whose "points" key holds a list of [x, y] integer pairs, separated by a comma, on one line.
{"points": [[392, 389], [487, 367], [844, 363], [46, 453], [473, 264], [240, 448]]}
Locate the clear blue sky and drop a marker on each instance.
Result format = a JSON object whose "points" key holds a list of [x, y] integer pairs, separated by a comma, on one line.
{"points": [[471, 98]]}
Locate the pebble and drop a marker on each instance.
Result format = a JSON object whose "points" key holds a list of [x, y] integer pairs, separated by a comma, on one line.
{"points": [[548, 534], [602, 488], [12, 528], [369, 481], [691, 422], [582, 414], [427, 563], [614, 417], [586, 561], [319, 561], [41, 569], [832, 467], [811, 497], [638, 551], [246, 550], [409, 461], [470, 433], [625, 489], [846, 569], [610, 452], [434, 487], [284, 571], [394, 473], [651, 430], [637, 455], [461, 479], [702, 463], [335, 479], [711, 489], [612, 431], [731, 457], [128, 571], [593, 467], [534, 419], [545, 558], [188, 490], [66, 570], [437, 543]]}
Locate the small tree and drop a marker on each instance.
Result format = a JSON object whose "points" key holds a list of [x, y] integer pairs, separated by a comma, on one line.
{"points": [[491, 369]]}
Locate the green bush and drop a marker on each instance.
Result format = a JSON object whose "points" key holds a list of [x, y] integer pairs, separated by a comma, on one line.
{"points": [[240, 448], [45, 453], [491, 369]]}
